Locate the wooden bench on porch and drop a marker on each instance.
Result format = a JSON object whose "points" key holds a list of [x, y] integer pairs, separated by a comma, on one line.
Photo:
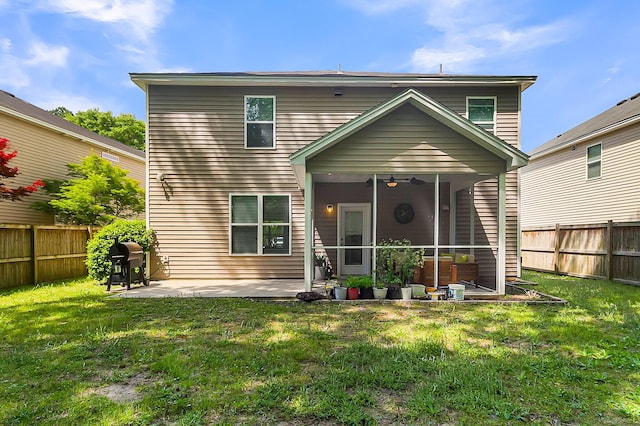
{"points": [[451, 269]]}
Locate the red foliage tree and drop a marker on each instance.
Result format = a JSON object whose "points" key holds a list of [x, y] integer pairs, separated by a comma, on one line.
{"points": [[7, 193]]}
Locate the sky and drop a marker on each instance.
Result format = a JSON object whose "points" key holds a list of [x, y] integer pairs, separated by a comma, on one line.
{"points": [[79, 53]]}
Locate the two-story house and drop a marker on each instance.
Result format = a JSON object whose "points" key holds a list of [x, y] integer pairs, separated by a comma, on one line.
{"points": [[251, 174], [583, 176]]}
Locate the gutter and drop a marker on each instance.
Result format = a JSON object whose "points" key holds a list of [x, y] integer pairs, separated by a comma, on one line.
{"points": [[143, 80], [595, 133]]}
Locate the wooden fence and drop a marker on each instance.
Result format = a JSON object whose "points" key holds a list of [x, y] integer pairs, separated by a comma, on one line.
{"points": [[609, 250], [31, 254]]}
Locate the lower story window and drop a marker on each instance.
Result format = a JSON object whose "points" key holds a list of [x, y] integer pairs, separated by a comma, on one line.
{"points": [[260, 224]]}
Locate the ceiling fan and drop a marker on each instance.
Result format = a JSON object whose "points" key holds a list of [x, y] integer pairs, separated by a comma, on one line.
{"points": [[393, 182]]}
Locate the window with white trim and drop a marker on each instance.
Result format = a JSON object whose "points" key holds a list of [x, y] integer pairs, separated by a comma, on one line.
{"points": [[482, 111], [594, 161], [260, 122], [260, 224]]}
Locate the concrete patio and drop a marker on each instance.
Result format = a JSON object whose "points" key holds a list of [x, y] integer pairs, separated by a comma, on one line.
{"points": [[254, 288], [251, 288]]}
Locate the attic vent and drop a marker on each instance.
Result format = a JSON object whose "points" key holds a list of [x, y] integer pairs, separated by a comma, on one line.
{"points": [[621, 102], [110, 157], [634, 96]]}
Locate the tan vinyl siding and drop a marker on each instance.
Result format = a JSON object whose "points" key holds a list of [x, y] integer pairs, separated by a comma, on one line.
{"points": [[555, 188], [44, 154], [196, 138], [406, 140]]}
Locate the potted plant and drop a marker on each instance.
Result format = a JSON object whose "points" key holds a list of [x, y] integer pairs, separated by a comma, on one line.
{"points": [[353, 291], [395, 263], [365, 284], [320, 266], [339, 291], [380, 291]]}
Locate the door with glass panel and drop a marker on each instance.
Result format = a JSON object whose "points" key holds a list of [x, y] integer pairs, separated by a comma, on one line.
{"points": [[354, 229]]}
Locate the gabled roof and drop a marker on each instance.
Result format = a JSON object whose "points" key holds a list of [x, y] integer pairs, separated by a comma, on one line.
{"points": [[16, 107], [625, 112], [513, 157]]}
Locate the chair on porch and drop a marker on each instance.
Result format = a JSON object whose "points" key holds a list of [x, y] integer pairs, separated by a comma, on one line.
{"points": [[464, 268], [452, 268]]}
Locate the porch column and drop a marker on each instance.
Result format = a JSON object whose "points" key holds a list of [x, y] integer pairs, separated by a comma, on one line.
{"points": [[374, 233], [436, 232], [308, 232], [502, 234]]}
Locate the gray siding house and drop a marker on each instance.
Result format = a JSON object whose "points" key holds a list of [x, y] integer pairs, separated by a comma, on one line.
{"points": [[46, 143], [252, 174], [588, 174]]}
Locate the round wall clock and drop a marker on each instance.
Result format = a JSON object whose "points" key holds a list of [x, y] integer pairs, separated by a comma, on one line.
{"points": [[403, 213]]}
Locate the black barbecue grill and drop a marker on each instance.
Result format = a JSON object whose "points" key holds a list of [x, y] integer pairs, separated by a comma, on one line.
{"points": [[127, 264]]}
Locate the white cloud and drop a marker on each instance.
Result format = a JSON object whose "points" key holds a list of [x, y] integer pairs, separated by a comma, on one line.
{"points": [[43, 54], [430, 59], [13, 75], [5, 45], [376, 7], [140, 17], [460, 50], [40, 59], [53, 98], [469, 31]]}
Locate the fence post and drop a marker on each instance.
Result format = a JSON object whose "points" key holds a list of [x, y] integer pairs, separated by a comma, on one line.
{"points": [[556, 251], [34, 253], [609, 248]]}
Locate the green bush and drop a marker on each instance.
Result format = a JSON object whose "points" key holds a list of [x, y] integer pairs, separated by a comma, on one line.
{"points": [[98, 263]]}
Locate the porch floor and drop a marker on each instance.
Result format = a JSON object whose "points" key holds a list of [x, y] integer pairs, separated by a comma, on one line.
{"points": [[249, 288]]}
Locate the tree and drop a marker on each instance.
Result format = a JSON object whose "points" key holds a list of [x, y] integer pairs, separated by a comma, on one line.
{"points": [[97, 193], [125, 128], [61, 111], [6, 172]]}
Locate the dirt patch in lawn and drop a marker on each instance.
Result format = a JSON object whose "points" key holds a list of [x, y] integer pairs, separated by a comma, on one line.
{"points": [[122, 392]]}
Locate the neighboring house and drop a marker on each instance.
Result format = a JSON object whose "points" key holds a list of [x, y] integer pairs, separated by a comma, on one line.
{"points": [[46, 143], [588, 174], [250, 174]]}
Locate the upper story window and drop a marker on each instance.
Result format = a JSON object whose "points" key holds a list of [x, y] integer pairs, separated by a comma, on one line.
{"points": [[260, 122], [260, 224], [482, 111], [594, 161]]}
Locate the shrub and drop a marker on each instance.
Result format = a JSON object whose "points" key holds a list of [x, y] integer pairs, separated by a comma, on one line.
{"points": [[98, 263]]}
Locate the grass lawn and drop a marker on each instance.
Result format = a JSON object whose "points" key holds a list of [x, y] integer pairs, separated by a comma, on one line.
{"points": [[71, 355]]}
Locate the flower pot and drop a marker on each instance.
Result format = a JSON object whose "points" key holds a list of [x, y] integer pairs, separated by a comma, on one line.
{"points": [[366, 293], [353, 293], [417, 291], [340, 293], [318, 272], [380, 293], [406, 293], [394, 293]]}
